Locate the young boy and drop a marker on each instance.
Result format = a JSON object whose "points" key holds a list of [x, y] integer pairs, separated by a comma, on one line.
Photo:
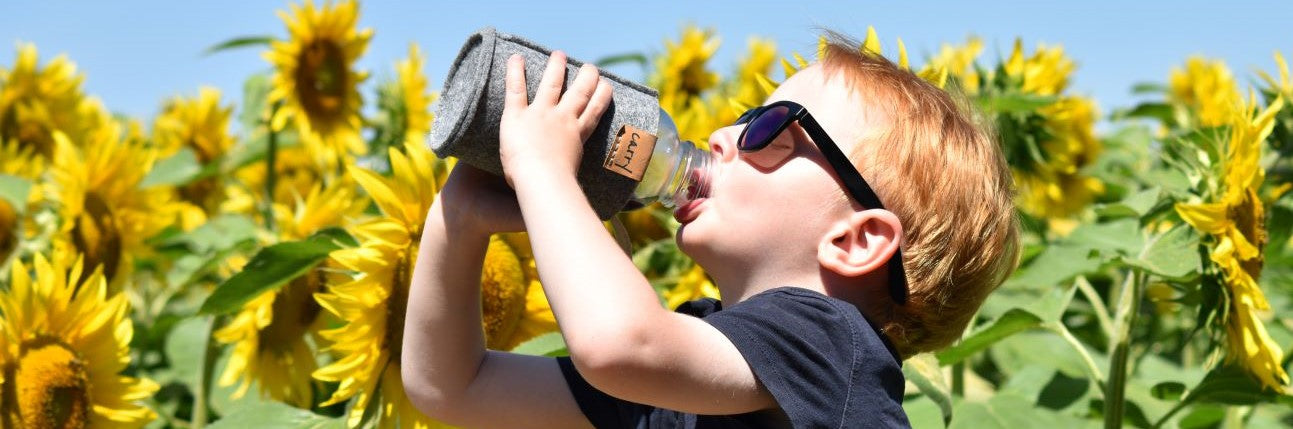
{"points": [[817, 309]]}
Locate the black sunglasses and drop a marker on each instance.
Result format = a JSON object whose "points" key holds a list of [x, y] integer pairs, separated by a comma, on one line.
{"points": [[765, 123]]}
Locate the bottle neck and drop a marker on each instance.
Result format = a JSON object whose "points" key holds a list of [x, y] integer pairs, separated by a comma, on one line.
{"points": [[677, 173]]}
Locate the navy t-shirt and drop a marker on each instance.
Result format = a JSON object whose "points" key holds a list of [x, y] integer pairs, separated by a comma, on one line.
{"points": [[823, 362]]}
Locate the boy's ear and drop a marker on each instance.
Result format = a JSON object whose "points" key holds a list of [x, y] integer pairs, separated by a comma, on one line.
{"points": [[861, 243]]}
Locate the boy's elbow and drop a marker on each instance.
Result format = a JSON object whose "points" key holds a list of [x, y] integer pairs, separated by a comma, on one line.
{"points": [[428, 398], [610, 356]]}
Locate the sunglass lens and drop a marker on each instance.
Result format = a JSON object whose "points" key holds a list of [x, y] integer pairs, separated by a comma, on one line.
{"points": [[763, 127]]}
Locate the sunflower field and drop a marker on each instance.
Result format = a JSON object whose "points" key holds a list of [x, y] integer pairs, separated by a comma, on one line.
{"points": [[246, 264]]}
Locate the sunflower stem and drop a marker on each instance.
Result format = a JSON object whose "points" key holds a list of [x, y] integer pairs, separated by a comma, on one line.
{"points": [[1115, 390], [204, 380], [271, 152], [1072, 341], [1097, 304]]}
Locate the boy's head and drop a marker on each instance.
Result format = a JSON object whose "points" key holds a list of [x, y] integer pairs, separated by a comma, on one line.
{"points": [[781, 214]]}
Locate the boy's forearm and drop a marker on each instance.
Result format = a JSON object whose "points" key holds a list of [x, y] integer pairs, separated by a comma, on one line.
{"points": [[581, 264], [443, 341]]}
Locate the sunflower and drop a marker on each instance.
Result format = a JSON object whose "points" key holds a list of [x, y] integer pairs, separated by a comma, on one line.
{"points": [[957, 62], [35, 102], [537, 318], [200, 124], [1046, 72], [314, 81], [1048, 148], [1056, 189], [752, 84], [681, 74], [295, 172], [372, 304], [413, 92], [107, 217], [1206, 89], [18, 161], [269, 332], [64, 346], [692, 285], [1234, 219]]}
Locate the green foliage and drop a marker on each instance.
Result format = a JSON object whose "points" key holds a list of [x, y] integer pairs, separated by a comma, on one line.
{"points": [[276, 415], [273, 267], [549, 344], [14, 190]]}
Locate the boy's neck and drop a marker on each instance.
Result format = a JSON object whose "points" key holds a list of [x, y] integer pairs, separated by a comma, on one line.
{"points": [[736, 285]]}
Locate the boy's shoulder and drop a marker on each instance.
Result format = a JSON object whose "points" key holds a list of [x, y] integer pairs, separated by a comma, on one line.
{"points": [[821, 360], [819, 356]]}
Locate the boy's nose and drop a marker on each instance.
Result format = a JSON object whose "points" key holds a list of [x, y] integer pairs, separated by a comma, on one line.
{"points": [[722, 143]]}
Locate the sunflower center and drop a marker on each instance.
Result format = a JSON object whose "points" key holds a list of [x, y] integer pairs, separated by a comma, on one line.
{"points": [[294, 312], [29, 133], [97, 237], [398, 304], [503, 287], [321, 79], [1250, 219], [8, 230], [51, 383]]}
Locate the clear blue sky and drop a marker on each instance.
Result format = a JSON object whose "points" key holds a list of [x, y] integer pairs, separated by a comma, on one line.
{"points": [[135, 53]]}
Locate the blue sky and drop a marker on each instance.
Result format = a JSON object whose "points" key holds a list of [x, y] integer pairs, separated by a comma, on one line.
{"points": [[136, 53]]}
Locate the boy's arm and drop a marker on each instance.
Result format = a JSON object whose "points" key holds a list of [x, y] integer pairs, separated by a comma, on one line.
{"points": [[447, 372], [624, 343]]}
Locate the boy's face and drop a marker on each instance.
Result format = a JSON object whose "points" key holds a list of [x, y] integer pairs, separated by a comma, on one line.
{"points": [[768, 211]]}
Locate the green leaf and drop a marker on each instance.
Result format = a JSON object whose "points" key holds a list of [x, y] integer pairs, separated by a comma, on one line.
{"points": [[923, 413], [1149, 88], [1173, 255], [1168, 390], [1160, 111], [923, 371], [630, 58], [1005, 410], [1121, 236], [549, 344], [255, 93], [1055, 265], [275, 415], [1017, 102], [239, 42], [272, 267], [178, 170], [1039, 347], [1230, 385], [219, 233], [15, 190], [185, 345], [1135, 205], [1014, 321]]}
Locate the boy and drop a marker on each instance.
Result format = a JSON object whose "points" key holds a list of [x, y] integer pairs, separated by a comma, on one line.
{"points": [[815, 317]]}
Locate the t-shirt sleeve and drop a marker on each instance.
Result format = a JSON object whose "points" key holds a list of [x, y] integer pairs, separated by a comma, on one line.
{"points": [[602, 410], [820, 360]]}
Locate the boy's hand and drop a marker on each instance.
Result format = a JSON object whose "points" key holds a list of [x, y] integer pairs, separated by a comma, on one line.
{"points": [[546, 136], [479, 201]]}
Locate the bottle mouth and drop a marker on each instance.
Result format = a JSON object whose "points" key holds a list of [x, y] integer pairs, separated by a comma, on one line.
{"points": [[695, 181]]}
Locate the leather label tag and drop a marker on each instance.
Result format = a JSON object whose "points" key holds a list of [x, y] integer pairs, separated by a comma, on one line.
{"points": [[631, 152]]}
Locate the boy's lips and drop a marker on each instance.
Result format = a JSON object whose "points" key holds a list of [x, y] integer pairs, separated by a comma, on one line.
{"points": [[688, 212]]}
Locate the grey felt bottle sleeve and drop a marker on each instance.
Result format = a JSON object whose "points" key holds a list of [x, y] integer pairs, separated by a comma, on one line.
{"points": [[470, 106]]}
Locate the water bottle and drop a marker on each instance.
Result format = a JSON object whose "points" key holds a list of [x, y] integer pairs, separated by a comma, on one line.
{"points": [[676, 173], [633, 158]]}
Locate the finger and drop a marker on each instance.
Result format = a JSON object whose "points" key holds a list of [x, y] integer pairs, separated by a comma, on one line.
{"points": [[515, 83], [597, 104], [554, 77], [576, 97]]}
